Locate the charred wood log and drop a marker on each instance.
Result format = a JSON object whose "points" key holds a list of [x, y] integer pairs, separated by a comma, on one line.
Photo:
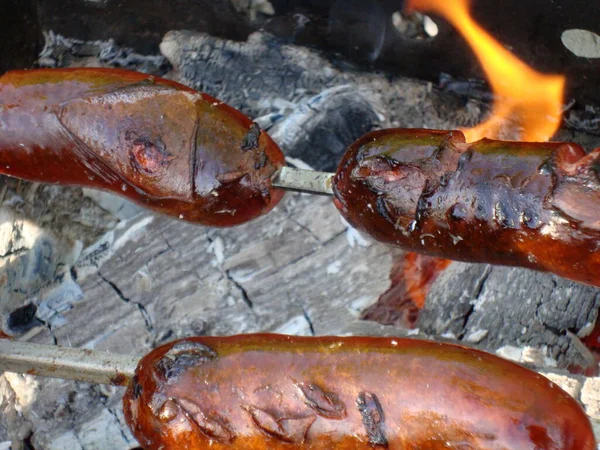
{"points": [[495, 306]]}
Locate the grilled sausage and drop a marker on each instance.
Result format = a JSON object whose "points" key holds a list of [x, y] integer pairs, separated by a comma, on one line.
{"points": [[267, 391], [534, 205], [154, 141]]}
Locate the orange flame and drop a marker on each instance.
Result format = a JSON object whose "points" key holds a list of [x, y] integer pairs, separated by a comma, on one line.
{"points": [[531, 99]]}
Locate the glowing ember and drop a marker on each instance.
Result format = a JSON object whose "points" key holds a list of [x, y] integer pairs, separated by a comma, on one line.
{"points": [[526, 101], [411, 277]]}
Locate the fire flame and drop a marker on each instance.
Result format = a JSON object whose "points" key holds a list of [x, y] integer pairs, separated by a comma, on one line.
{"points": [[530, 100]]}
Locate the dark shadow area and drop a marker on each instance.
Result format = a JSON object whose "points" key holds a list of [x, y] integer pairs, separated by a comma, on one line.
{"points": [[20, 35]]}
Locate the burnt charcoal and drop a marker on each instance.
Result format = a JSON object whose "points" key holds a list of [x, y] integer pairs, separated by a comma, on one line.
{"points": [[23, 319], [249, 75], [316, 6], [469, 88], [289, 26], [361, 30], [357, 28], [267, 79], [494, 306], [60, 51], [586, 120], [531, 29], [336, 118], [140, 24]]}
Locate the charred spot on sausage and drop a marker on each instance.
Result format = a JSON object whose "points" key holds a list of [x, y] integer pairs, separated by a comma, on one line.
{"points": [[212, 425], [250, 141], [261, 161], [382, 209], [325, 404], [183, 355], [373, 418], [137, 387], [283, 428]]}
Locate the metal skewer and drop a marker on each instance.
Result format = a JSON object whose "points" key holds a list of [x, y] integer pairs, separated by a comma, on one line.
{"points": [[69, 363], [302, 180]]}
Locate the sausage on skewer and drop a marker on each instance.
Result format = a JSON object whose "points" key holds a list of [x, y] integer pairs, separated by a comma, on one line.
{"points": [[154, 141], [534, 205], [273, 392]]}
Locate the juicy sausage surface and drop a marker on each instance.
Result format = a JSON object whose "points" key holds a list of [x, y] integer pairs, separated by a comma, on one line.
{"points": [[269, 391], [534, 205], [154, 141]]}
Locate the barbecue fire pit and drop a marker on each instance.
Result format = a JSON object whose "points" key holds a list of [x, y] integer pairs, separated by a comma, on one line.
{"points": [[87, 269]]}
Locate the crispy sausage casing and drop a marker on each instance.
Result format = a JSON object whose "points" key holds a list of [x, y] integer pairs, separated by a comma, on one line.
{"points": [[268, 392], [154, 141], [534, 205]]}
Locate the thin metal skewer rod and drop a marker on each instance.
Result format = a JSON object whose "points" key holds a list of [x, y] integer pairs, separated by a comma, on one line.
{"points": [[302, 180], [69, 363]]}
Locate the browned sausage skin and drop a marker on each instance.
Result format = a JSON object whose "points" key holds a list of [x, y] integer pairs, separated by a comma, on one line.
{"points": [[154, 141], [534, 205], [268, 391]]}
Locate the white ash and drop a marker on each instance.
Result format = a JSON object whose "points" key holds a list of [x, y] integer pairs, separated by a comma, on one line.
{"points": [[476, 335], [298, 326], [354, 236]]}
